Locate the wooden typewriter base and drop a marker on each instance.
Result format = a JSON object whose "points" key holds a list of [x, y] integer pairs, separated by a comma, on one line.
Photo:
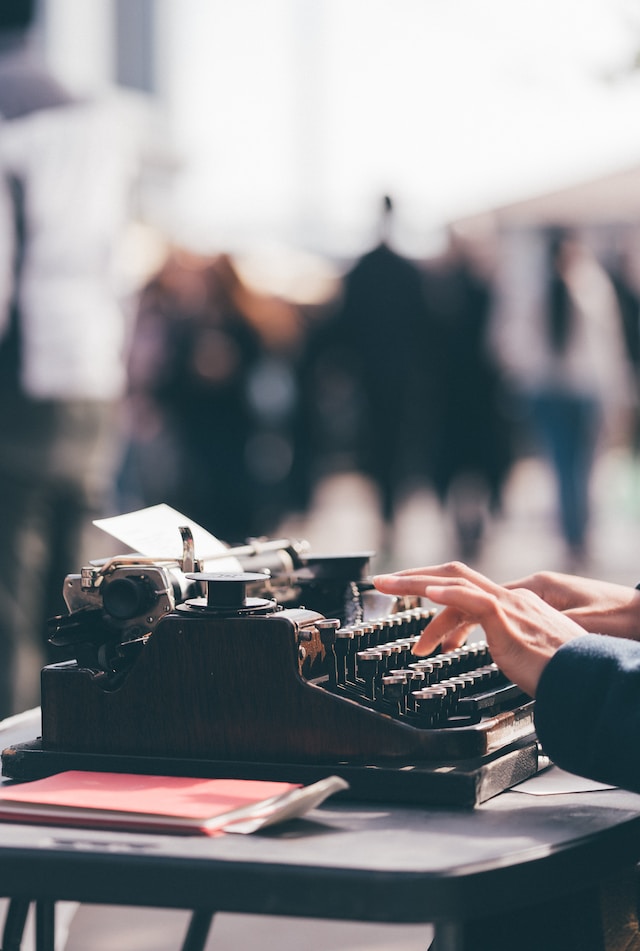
{"points": [[466, 784]]}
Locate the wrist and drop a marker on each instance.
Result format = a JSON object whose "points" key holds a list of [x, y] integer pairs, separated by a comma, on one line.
{"points": [[626, 622]]}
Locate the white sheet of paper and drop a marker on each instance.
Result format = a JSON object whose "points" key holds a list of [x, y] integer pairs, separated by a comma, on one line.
{"points": [[155, 532], [290, 805], [555, 781]]}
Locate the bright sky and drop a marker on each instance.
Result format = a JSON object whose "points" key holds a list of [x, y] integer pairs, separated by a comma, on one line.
{"points": [[294, 116]]}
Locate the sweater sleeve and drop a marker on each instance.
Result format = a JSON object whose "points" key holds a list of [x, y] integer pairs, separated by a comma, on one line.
{"points": [[587, 711], [7, 253]]}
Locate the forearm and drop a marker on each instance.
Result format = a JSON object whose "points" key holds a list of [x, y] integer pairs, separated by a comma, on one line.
{"points": [[587, 709]]}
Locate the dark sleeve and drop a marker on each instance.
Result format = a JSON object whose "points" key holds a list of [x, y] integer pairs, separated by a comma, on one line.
{"points": [[587, 709]]}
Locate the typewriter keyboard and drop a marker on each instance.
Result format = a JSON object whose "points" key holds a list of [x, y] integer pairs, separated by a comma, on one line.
{"points": [[372, 663]]}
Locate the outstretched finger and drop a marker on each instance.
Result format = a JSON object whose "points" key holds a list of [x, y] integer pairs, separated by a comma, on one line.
{"points": [[413, 580], [448, 629], [465, 604]]}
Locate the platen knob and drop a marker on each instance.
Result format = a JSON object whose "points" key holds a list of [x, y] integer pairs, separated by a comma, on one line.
{"points": [[128, 597]]}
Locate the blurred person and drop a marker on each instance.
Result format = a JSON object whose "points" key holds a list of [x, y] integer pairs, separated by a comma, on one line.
{"points": [[469, 450], [211, 398], [623, 272], [150, 466], [277, 440], [66, 171], [560, 335], [365, 370]]}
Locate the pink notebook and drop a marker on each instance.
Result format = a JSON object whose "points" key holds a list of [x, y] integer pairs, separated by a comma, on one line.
{"points": [[173, 804]]}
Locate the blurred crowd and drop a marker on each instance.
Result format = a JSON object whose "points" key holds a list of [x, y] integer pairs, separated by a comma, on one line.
{"points": [[232, 402], [240, 402], [439, 372]]}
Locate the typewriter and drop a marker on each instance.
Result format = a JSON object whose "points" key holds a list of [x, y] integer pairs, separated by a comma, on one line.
{"points": [[291, 668]]}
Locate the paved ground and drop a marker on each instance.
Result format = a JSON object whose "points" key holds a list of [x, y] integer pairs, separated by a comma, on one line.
{"points": [[104, 928], [522, 540]]}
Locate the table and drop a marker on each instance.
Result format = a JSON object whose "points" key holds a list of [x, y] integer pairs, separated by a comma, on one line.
{"points": [[518, 871]]}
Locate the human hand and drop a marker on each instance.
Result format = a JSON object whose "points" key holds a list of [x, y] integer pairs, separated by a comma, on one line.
{"points": [[523, 631], [598, 606]]}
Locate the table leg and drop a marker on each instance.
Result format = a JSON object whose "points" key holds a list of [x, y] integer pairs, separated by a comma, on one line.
{"points": [[45, 925], [619, 903], [572, 923], [198, 931], [14, 923]]}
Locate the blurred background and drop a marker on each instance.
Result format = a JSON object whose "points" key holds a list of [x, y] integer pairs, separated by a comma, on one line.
{"points": [[353, 232], [271, 132], [380, 279], [269, 135]]}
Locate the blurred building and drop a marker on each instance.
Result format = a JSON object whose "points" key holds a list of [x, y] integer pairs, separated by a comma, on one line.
{"points": [[604, 208]]}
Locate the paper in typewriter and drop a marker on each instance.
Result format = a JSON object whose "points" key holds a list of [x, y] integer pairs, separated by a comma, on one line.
{"points": [[155, 533]]}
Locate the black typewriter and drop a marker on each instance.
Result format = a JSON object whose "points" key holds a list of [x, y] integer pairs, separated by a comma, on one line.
{"points": [[291, 668]]}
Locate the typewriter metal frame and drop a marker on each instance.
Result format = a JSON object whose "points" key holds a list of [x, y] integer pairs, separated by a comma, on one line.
{"points": [[228, 684]]}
